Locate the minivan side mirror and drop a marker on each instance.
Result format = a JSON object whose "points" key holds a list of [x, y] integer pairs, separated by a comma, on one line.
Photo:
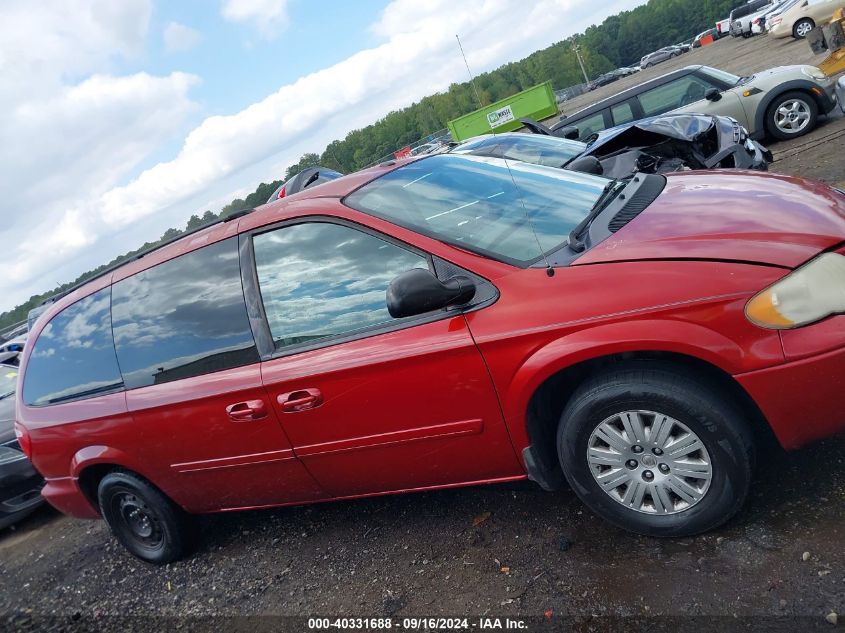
{"points": [[713, 94], [418, 291]]}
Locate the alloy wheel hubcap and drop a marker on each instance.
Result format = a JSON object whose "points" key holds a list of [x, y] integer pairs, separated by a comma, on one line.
{"points": [[649, 462], [792, 116], [803, 29]]}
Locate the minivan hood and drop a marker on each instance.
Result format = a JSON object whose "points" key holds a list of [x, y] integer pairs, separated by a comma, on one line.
{"points": [[731, 215]]}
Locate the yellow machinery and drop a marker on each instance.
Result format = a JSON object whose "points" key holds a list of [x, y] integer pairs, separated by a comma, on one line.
{"points": [[830, 38]]}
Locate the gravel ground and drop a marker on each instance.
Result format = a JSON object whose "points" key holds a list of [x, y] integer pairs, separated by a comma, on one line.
{"points": [[494, 551]]}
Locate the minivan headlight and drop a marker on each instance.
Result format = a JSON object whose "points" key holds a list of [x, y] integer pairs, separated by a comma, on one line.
{"points": [[806, 295], [813, 73]]}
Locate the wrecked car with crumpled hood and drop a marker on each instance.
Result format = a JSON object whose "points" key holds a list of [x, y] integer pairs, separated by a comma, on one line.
{"points": [[668, 143]]}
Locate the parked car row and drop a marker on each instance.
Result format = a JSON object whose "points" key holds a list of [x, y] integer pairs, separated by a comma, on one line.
{"points": [[781, 18], [613, 75], [660, 55]]}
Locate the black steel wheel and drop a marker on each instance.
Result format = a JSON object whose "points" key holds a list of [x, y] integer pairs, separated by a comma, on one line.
{"points": [[144, 520]]}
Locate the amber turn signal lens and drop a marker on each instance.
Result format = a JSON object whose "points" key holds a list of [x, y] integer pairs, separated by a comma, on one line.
{"points": [[762, 310]]}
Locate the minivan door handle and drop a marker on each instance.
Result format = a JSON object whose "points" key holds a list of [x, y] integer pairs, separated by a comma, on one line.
{"points": [[247, 411], [300, 400]]}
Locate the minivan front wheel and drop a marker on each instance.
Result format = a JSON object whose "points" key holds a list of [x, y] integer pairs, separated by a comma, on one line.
{"points": [[655, 451], [145, 521]]}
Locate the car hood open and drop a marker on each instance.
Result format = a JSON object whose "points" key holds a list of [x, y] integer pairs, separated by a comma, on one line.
{"points": [[727, 215]]}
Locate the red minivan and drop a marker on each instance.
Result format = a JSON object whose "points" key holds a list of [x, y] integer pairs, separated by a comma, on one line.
{"points": [[449, 321]]}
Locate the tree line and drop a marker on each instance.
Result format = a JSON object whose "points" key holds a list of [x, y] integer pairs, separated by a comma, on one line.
{"points": [[621, 40]]}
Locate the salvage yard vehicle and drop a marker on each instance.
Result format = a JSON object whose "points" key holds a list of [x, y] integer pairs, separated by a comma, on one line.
{"points": [[739, 17], [10, 350], [760, 24], [308, 177], [840, 93], [20, 484], [673, 142], [803, 17], [782, 103], [442, 321], [696, 43], [667, 52]]}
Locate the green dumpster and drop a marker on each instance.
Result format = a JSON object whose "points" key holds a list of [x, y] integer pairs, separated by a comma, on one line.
{"points": [[503, 116]]}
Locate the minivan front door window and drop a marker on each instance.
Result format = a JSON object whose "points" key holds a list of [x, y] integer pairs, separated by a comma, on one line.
{"points": [[321, 280]]}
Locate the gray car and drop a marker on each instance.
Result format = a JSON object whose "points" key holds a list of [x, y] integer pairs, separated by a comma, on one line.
{"points": [[662, 55]]}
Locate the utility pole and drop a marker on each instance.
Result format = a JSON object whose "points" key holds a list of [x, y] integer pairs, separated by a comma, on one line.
{"points": [[577, 49]]}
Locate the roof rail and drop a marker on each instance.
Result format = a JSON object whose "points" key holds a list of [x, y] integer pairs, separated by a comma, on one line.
{"points": [[140, 255]]}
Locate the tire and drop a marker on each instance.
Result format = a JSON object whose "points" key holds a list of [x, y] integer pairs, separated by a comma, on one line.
{"points": [[127, 500], [777, 124], [700, 407], [802, 27], [746, 35]]}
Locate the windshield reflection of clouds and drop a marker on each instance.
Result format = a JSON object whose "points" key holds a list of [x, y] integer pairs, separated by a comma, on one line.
{"points": [[320, 279], [78, 344], [475, 202], [183, 318]]}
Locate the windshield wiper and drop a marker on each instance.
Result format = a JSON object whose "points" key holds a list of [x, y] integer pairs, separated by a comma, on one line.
{"points": [[606, 196]]}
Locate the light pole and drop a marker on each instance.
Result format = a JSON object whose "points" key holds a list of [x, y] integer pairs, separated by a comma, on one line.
{"points": [[577, 50]]}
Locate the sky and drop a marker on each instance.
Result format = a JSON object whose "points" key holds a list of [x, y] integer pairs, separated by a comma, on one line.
{"points": [[119, 120]]}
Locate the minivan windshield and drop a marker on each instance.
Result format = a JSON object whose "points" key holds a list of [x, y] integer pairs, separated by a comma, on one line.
{"points": [[484, 204]]}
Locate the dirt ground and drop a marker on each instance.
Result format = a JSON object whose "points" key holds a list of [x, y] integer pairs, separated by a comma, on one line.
{"points": [[497, 551]]}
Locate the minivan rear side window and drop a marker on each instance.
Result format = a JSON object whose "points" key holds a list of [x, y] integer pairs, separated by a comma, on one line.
{"points": [[73, 357], [182, 318]]}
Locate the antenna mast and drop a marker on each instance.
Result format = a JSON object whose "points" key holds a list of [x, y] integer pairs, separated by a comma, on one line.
{"points": [[471, 79], [549, 270]]}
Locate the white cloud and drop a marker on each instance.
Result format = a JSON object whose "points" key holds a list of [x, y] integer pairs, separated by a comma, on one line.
{"points": [[104, 132], [270, 17], [76, 128], [179, 38], [357, 90]]}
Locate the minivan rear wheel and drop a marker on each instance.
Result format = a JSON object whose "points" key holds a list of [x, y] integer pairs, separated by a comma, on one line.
{"points": [[144, 520], [656, 451]]}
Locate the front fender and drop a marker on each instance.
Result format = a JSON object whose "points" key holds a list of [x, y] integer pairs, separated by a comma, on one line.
{"points": [[651, 335], [803, 85]]}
